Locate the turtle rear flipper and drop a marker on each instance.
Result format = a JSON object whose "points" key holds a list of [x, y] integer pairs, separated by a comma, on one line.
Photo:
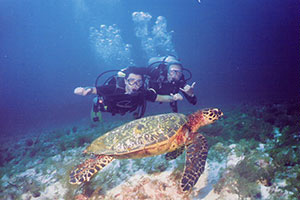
{"points": [[84, 171], [195, 162], [174, 154]]}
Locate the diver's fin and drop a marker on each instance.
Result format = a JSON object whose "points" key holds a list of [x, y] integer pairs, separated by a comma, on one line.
{"points": [[174, 154], [84, 171], [196, 155]]}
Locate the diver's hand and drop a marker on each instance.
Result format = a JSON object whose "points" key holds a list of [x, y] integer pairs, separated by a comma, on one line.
{"points": [[176, 97], [83, 91], [189, 89]]}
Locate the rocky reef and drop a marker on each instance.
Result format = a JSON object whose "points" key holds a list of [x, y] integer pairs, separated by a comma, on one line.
{"points": [[253, 154]]}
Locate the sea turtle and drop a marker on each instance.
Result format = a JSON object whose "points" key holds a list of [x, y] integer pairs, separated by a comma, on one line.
{"points": [[150, 136]]}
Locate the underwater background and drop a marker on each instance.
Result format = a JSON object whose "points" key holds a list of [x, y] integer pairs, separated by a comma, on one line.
{"points": [[243, 55]]}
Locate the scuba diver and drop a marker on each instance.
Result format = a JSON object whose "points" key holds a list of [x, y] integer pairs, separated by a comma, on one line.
{"points": [[123, 93], [166, 77]]}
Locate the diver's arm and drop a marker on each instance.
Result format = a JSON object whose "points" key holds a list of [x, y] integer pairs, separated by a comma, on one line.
{"points": [[188, 92], [188, 89], [169, 98], [83, 91], [191, 99], [151, 95]]}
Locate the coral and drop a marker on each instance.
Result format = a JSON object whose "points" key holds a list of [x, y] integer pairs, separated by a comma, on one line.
{"points": [[293, 182], [68, 132], [247, 169], [218, 152], [62, 146], [33, 153], [74, 129], [9, 157], [284, 149], [240, 180], [245, 146], [81, 140], [81, 197], [2, 161], [29, 142]]}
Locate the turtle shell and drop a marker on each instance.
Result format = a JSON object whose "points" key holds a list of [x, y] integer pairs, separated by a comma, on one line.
{"points": [[138, 134]]}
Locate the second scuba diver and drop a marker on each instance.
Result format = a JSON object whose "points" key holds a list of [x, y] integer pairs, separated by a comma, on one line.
{"points": [[124, 94], [166, 78]]}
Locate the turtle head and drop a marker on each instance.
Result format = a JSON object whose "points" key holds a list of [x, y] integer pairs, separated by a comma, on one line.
{"points": [[203, 118]]}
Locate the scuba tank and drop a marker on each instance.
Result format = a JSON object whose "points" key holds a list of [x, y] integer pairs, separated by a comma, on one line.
{"points": [[158, 71], [158, 68]]}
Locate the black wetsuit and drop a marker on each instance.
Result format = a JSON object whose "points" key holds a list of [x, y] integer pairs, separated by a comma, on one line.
{"points": [[112, 98], [159, 82]]}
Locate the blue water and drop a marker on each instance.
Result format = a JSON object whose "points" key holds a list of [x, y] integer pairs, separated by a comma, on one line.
{"points": [[238, 51]]}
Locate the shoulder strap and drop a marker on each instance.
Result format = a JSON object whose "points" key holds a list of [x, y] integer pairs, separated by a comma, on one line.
{"points": [[120, 82]]}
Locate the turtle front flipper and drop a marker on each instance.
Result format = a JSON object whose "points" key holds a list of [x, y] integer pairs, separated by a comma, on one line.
{"points": [[84, 171], [196, 155], [174, 154]]}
